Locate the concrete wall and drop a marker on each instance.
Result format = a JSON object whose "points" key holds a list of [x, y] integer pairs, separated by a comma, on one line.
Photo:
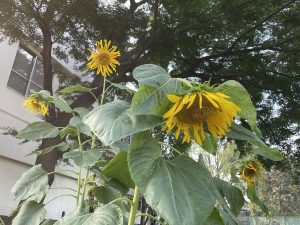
{"points": [[13, 155]]}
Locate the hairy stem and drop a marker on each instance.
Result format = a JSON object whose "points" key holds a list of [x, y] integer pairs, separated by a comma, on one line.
{"points": [[134, 206]]}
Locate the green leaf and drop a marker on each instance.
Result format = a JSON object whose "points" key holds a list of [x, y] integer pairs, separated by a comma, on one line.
{"points": [[82, 111], [64, 146], [31, 213], [118, 168], [84, 159], [150, 75], [153, 99], [32, 183], [68, 130], [114, 121], [180, 190], [48, 222], [81, 127], [120, 145], [109, 191], [62, 105], [240, 96], [75, 88], [38, 130], [252, 195], [104, 215], [214, 219], [240, 133], [232, 195], [123, 87], [210, 144]]}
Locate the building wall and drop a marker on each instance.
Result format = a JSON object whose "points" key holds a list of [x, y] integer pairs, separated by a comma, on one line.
{"points": [[14, 159]]}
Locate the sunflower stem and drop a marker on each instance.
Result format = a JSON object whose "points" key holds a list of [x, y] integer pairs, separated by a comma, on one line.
{"points": [[103, 91], [134, 206]]}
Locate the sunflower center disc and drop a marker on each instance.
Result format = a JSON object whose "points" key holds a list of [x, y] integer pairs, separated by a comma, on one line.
{"points": [[103, 58], [195, 115]]}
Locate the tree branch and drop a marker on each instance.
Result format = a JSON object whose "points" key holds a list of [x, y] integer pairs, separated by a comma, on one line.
{"points": [[259, 23]]}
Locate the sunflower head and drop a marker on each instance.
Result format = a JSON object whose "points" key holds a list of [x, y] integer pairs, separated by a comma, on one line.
{"points": [[36, 105], [200, 110], [251, 172], [103, 60]]}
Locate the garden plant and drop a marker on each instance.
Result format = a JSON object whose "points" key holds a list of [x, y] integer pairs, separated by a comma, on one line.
{"points": [[116, 154]]}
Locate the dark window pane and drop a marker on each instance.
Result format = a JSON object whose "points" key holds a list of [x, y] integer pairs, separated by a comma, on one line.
{"points": [[23, 62], [38, 74], [17, 82]]}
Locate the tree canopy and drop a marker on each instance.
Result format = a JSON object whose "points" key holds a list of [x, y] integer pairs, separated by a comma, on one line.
{"points": [[254, 42]]}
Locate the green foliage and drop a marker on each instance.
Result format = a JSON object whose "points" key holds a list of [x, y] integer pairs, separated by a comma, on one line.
{"points": [[232, 195], [62, 105], [117, 168], [33, 184], [240, 133], [182, 187], [74, 89], [31, 213], [104, 215], [85, 158], [38, 130], [155, 83], [240, 96], [179, 189], [210, 144], [252, 195], [115, 120]]}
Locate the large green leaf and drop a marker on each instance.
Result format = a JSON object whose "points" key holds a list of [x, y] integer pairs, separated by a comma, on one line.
{"points": [[81, 127], [63, 146], [38, 130], [82, 111], [118, 168], [180, 190], [114, 121], [33, 182], [31, 213], [104, 215], [252, 195], [109, 191], [85, 158], [153, 99], [233, 195], [241, 97], [155, 83], [62, 105], [240, 133], [150, 75], [75, 88]]}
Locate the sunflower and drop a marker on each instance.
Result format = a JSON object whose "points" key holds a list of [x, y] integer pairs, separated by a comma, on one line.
{"points": [[36, 105], [104, 58], [196, 111], [251, 172]]}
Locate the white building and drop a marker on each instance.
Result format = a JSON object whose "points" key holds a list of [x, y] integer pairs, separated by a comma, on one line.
{"points": [[20, 71]]}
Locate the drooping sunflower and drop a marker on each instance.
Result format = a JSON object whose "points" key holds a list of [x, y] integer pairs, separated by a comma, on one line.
{"points": [[104, 58], [196, 111], [36, 105], [251, 172]]}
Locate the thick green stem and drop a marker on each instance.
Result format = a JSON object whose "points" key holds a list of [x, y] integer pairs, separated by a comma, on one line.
{"points": [[84, 186], [103, 91], [134, 206], [79, 173]]}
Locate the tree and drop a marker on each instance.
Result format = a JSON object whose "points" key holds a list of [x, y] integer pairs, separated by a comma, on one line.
{"points": [[254, 42]]}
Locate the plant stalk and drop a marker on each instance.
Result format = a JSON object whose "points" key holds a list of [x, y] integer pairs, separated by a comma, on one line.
{"points": [[134, 206]]}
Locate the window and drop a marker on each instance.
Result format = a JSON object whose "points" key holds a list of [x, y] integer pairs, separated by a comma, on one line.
{"points": [[27, 72]]}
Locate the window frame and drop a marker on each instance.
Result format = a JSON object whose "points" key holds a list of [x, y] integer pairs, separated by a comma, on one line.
{"points": [[28, 80]]}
